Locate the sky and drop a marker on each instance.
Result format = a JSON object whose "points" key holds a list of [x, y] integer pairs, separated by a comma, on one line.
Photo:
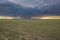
{"points": [[35, 3], [29, 7]]}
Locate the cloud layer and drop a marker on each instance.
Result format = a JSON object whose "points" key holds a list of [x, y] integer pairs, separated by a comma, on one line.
{"points": [[4, 1], [36, 3]]}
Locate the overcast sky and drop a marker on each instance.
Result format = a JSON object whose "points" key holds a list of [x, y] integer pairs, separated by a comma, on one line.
{"points": [[43, 6], [34, 3]]}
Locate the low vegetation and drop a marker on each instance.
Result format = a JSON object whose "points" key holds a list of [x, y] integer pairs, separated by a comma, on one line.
{"points": [[29, 29]]}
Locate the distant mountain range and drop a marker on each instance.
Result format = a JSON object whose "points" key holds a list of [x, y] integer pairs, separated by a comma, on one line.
{"points": [[8, 8]]}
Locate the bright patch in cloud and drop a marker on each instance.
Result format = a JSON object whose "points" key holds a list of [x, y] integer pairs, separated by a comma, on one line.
{"points": [[47, 17], [9, 17]]}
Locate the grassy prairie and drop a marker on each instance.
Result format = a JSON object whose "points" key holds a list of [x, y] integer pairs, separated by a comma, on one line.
{"points": [[47, 29]]}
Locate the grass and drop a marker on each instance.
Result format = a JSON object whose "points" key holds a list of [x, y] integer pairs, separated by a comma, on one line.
{"points": [[46, 28]]}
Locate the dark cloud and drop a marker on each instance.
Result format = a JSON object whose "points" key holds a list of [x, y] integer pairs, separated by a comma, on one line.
{"points": [[12, 9]]}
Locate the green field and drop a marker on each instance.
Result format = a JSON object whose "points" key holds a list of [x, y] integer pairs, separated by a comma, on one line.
{"points": [[30, 29]]}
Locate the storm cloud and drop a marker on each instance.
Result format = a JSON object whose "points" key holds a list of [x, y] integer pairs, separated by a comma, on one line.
{"points": [[36, 3]]}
